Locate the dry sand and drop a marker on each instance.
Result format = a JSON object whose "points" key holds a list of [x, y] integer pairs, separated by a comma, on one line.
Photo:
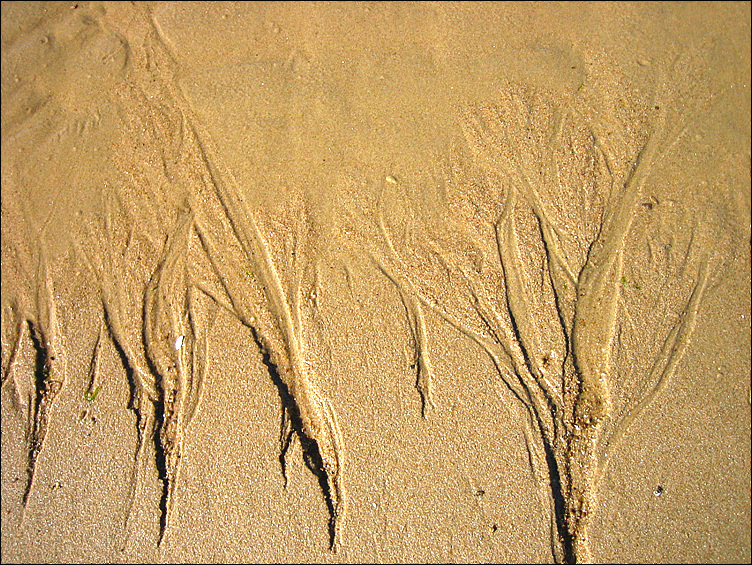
{"points": [[375, 282]]}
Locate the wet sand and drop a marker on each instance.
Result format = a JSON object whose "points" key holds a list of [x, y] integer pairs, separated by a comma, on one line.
{"points": [[392, 282]]}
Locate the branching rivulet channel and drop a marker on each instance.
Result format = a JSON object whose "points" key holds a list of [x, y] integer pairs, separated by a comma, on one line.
{"points": [[528, 262], [231, 266], [34, 316], [167, 242]]}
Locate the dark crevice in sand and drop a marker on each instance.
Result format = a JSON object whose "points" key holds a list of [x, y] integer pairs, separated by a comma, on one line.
{"points": [[292, 423], [164, 475], [129, 370], [560, 506], [41, 374], [160, 454]]}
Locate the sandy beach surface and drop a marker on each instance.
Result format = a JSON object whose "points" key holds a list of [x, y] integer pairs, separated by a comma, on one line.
{"points": [[375, 282]]}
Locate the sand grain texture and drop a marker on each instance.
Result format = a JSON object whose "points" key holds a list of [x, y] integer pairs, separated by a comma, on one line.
{"points": [[375, 282]]}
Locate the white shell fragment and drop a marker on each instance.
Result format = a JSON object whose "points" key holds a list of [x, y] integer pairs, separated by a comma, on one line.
{"points": [[179, 342]]}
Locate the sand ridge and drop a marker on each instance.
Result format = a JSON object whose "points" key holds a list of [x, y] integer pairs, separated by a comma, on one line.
{"points": [[396, 282]]}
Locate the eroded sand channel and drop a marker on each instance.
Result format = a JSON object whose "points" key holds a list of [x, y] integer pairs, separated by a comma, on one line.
{"points": [[375, 282]]}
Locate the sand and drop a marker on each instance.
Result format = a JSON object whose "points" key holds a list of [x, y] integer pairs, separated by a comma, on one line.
{"points": [[375, 282]]}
